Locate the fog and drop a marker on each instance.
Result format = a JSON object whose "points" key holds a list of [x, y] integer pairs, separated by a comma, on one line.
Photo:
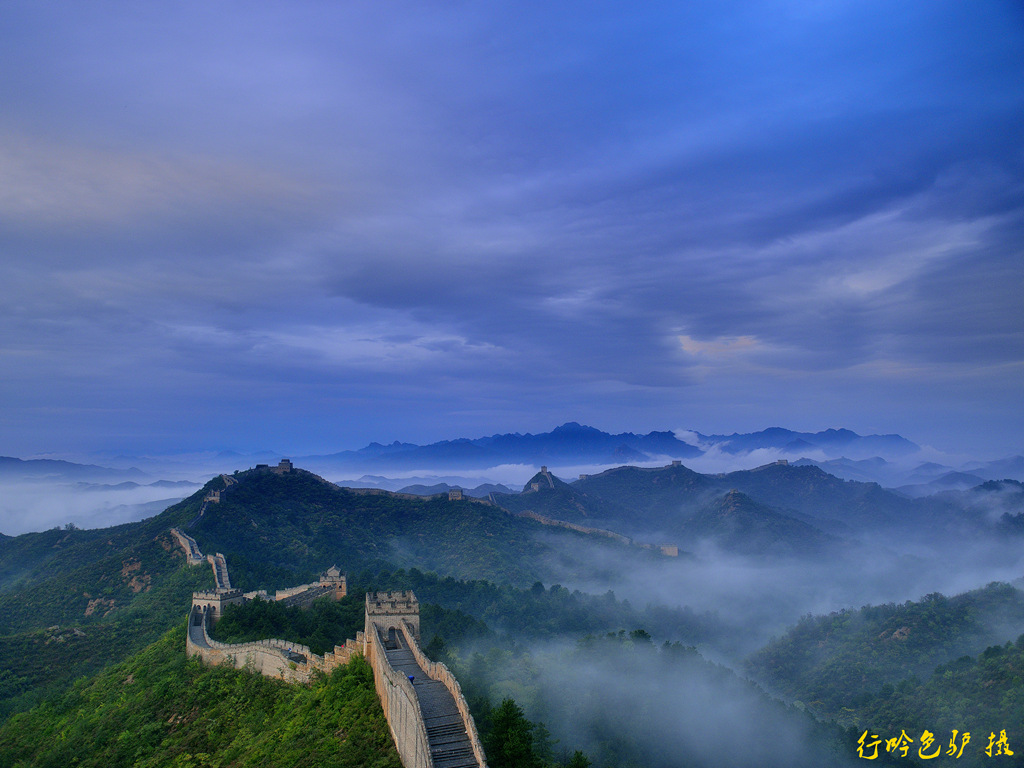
{"points": [[621, 699], [34, 506], [623, 695], [762, 597], [620, 695]]}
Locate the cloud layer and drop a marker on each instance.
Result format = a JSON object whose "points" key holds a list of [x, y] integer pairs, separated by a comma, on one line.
{"points": [[243, 226]]}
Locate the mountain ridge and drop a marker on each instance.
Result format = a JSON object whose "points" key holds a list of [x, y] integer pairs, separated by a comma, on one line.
{"points": [[577, 443]]}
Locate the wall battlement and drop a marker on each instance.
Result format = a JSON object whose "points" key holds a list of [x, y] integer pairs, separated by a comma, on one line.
{"points": [[288, 661], [392, 610], [192, 553], [401, 601], [403, 675]]}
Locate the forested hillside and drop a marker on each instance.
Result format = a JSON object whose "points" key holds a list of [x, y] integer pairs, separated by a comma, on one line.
{"points": [[160, 709], [280, 529], [838, 664]]}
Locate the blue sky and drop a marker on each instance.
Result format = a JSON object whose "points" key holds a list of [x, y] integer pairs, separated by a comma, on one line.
{"points": [[305, 226]]}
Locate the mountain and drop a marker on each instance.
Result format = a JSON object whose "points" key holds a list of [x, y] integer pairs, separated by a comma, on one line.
{"points": [[832, 503], [574, 444], [639, 500], [966, 694], [570, 443], [480, 492], [873, 470], [1012, 468], [959, 481], [128, 582], [54, 470], [552, 497], [839, 662], [736, 523], [284, 528], [400, 484], [673, 502]]}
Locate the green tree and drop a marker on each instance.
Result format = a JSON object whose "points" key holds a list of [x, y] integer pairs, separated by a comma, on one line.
{"points": [[509, 744]]}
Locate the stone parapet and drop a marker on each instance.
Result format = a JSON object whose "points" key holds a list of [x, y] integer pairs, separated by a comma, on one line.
{"points": [[398, 602], [282, 659], [440, 672], [192, 553], [401, 707], [394, 615], [575, 526]]}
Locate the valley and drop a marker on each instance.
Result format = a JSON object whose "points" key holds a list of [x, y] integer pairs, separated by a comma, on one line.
{"points": [[658, 570]]}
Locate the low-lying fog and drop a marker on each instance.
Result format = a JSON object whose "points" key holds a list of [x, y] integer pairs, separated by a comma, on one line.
{"points": [[36, 506], [629, 701], [763, 597], [678, 712]]}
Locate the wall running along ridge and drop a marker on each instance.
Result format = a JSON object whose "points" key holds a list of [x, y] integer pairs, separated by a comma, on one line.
{"points": [[291, 662], [422, 701]]}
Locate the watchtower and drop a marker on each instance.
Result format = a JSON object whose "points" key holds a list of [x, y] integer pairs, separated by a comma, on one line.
{"points": [[334, 579], [392, 610], [216, 601]]}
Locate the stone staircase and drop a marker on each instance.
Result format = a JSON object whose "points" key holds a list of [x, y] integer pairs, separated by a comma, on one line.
{"points": [[220, 572], [449, 743]]}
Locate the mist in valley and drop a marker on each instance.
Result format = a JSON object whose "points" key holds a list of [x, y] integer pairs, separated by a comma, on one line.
{"points": [[27, 506], [689, 703], [759, 598], [613, 696], [624, 699]]}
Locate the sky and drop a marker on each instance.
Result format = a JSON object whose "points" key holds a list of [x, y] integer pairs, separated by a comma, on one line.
{"points": [[305, 226]]}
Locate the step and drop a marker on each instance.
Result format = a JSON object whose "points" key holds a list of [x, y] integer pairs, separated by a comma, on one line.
{"points": [[454, 761], [451, 754], [458, 762], [446, 729], [449, 720], [450, 742]]}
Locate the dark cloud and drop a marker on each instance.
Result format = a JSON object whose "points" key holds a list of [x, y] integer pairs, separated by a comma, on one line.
{"points": [[415, 222]]}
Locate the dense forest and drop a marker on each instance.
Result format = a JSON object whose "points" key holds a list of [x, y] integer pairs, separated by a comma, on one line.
{"points": [[160, 709], [554, 675]]}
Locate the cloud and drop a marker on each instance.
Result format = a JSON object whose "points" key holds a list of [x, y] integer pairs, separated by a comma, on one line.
{"points": [[28, 506], [494, 218]]}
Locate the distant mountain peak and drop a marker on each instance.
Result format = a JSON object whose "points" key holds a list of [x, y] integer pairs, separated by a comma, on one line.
{"points": [[574, 427]]}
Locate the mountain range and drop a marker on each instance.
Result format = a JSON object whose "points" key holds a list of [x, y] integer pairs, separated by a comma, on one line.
{"points": [[74, 601], [885, 459], [574, 443]]}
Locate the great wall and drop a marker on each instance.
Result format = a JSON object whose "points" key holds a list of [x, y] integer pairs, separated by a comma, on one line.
{"points": [[423, 703]]}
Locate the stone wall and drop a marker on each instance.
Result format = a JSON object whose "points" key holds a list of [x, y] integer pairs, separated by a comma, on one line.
{"points": [[296, 663], [281, 659], [305, 597], [332, 584], [401, 706], [393, 610], [192, 553], [220, 571], [575, 527], [440, 672]]}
